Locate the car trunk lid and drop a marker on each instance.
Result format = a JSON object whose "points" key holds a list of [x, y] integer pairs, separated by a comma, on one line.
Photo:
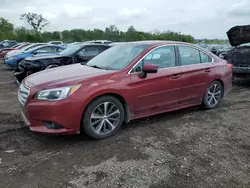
{"points": [[238, 35]]}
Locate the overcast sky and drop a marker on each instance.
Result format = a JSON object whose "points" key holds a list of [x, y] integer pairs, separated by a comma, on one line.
{"points": [[200, 18]]}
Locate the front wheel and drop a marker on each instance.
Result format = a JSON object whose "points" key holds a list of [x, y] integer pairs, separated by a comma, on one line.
{"points": [[213, 95], [103, 117]]}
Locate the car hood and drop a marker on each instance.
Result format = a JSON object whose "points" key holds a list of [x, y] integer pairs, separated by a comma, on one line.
{"points": [[70, 74], [42, 56], [239, 35], [14, 52]]}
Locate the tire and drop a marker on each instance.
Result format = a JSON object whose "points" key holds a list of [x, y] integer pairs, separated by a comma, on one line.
{"points": [[96, 123], [212, 98]]}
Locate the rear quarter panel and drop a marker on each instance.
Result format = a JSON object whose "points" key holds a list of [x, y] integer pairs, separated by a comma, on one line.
{"points": [[223, 73]]}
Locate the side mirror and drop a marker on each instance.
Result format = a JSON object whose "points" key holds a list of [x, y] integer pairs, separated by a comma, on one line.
{"points": [[148, 68], [34, 53]]}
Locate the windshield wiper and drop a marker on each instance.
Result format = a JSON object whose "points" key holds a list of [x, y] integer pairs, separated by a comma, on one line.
{"points": [[95, 66]]}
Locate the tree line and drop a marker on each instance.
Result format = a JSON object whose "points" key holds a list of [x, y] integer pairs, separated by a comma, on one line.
{"points": [[37, 23]]}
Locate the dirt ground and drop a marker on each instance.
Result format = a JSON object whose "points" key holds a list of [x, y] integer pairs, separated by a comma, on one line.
{"points": [[187, 148]]}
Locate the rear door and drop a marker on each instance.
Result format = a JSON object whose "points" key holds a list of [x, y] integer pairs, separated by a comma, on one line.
{"points": [[197, 72], [158, 91]]}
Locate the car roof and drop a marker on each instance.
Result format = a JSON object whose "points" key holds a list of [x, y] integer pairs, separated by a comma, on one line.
{"points": [[156, 42], [92, 44], [9, 41], [47, 45]]}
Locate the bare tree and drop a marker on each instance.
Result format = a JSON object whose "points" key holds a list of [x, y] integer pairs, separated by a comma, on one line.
{"points": [[36, 21]]}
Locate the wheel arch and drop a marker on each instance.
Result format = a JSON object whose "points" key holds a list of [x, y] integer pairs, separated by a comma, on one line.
{"points": [[127, 115], [222, 84]]}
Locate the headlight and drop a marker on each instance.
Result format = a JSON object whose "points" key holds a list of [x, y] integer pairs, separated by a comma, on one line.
{"points": [[11, 58], [57, 93]]}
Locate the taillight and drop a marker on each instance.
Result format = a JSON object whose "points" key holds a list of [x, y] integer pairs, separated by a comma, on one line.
{"points": [[230, 66]]}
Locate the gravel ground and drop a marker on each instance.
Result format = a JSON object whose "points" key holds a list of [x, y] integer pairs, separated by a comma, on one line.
{"points": [[186, 148]]}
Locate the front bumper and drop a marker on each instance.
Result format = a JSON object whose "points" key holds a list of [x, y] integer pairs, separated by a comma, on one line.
{"points": [[10, 63], [67, 113]]}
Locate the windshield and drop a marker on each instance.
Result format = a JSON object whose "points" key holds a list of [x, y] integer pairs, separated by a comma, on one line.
{"points": [[29, 47], [117, 57], [70, 50]]}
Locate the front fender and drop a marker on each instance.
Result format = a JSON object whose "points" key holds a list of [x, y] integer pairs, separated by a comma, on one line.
{"points": [[90, 91]]}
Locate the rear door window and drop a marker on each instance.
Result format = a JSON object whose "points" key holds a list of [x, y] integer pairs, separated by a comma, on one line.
{"points": [[189, 55], [49, 49], [205, 58], [60, 49], [103, 48], [89, 51]]}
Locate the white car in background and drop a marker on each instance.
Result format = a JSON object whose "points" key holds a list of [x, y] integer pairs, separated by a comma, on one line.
{"points": [[26, 48], [56, 42]]}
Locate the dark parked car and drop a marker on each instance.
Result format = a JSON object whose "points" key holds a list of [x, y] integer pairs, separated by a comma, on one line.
{"points": [[7, 43], [224, 49], [73, 54], [215, 49], [239, 56], [128, 81]]}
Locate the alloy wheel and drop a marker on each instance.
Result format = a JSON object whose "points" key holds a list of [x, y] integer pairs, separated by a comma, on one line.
{"points": [[213, 94], [105, 117]]}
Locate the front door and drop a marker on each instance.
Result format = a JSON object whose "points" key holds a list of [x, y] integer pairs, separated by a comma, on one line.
{"points": [[158, 91]]}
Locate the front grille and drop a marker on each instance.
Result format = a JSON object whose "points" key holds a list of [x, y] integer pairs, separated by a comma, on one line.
{"points": [[23, 93]]}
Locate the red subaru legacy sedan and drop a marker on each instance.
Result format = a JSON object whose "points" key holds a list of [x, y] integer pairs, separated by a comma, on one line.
{"points": [[128, 81]]}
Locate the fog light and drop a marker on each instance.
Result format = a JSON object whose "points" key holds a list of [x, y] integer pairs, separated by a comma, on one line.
{"points": [[52, 125]]}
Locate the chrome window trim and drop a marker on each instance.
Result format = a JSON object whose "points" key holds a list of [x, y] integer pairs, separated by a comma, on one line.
{"points": [[175, 45], [197, 48]]}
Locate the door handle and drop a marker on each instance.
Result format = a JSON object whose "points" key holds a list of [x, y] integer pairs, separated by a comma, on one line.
{"points": [[176, 76], [208, 70]]}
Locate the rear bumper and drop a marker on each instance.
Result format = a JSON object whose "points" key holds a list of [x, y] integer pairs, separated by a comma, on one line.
{"points": [[241, 72]]}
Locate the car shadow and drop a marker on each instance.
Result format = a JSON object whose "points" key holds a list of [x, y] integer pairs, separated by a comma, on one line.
{"points": [[126, 127]]}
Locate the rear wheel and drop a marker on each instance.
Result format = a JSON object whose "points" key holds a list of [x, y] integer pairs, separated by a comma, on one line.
{"points": [[213, 95], [103, 117]]}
